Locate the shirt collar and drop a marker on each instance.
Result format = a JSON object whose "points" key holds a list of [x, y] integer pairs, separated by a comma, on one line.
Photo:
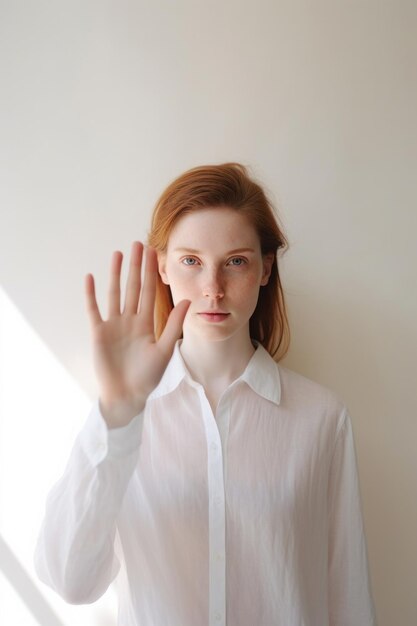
{"points": [[261, 374]]}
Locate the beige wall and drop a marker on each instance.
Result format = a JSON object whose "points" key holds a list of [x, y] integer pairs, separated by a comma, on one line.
{"points": [[103, 103]]}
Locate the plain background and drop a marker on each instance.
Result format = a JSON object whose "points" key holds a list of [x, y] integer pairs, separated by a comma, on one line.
{"points": [[104, 103]]}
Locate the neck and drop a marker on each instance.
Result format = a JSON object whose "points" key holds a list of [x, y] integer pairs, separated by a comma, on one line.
{"points": [[211, 363]]}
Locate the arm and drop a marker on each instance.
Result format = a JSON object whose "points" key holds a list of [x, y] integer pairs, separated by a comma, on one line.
{"points": [[350, 595], [75, 549]]}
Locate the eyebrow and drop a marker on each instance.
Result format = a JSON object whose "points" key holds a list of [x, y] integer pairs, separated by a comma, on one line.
{"points": [[193, 251]]}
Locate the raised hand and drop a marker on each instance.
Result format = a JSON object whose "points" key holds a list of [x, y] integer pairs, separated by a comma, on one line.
{"points": [[128, 361]]}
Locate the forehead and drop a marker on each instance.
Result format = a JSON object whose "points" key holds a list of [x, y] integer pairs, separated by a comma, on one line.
{"points": [[214, 229]]}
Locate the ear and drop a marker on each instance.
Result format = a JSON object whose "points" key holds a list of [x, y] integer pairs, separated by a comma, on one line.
{"points": [[161, 267], [268, 260]]}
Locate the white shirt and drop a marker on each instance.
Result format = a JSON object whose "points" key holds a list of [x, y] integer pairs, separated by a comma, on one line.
{"points": [[250, 517]]}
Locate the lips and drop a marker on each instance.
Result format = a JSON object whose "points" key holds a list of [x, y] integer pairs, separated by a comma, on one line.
{"points": [[214, 316]]}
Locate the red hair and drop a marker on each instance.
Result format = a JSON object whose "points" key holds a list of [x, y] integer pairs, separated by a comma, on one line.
{"points": [[227, 184]]}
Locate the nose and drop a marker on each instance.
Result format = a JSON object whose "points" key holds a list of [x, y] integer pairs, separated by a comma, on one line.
{"points": [[213, 287]]}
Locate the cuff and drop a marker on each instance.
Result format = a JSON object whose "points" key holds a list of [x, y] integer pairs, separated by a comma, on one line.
{"points": [[99, 442]]}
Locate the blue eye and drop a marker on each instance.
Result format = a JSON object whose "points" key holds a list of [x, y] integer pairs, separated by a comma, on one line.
{"points": [[191, 261]]}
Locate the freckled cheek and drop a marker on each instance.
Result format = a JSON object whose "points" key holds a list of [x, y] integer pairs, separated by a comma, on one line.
{"points": [[182, 284], [249, 281], [243, 289]]}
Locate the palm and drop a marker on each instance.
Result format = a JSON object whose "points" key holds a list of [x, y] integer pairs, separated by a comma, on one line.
{"points": [[129, 362]]}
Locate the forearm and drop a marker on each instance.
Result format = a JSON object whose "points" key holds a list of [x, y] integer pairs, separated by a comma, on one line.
{"points": [[75, 549]]}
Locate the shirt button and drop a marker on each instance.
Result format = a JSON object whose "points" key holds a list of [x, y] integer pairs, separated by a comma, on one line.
{"points": [[218, 617], [218, 500], [219, 556], [214, 446]]}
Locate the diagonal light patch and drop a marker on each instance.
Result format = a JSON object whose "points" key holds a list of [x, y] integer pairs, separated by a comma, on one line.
{"points": [[35, 602], [42, 409]]}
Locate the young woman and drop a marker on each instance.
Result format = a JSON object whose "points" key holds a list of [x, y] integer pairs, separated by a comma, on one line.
{"points": [[218, 486]]}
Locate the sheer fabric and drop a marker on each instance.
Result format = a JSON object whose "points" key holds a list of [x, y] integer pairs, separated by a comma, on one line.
{"points": [[251, 516]]}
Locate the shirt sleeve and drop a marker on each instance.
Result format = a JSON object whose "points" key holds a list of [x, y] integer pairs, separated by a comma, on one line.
{"points": [[349, 591], [74, 553]]}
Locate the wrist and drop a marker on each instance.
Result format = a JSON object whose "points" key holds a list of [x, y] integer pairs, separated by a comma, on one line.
{"points": [[120, 412]]}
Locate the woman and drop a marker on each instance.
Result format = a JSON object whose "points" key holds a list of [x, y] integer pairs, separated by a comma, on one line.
{"points": [[217, 485]]}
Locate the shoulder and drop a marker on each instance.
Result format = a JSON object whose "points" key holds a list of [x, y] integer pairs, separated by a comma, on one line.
{"points": [[302, 394]]}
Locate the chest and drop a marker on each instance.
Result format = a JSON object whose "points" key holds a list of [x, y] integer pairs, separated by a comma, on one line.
{"points": [[264, 460]]}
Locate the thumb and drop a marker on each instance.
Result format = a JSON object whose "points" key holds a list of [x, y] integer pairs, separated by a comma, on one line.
{"points": [[173, 327]]}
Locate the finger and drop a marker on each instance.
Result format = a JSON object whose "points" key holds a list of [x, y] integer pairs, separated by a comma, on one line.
{"points": [[147, 298], [134, 278], [114, 288], [91, 302], [173, 327]]}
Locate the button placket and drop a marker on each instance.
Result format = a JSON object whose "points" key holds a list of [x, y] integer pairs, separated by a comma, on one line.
{"points": [[217, 523]]}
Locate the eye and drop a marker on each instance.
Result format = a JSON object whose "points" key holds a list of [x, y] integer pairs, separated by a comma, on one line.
{"points": [[240, 260], [189, 258]]}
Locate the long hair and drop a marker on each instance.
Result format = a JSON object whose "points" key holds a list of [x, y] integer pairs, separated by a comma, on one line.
{"points": [[227, 184]]}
